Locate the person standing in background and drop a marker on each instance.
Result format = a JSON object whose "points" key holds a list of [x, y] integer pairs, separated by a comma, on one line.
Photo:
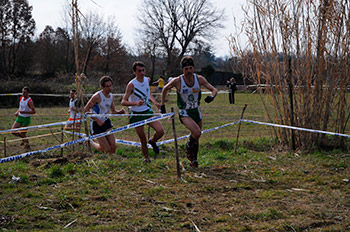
{"points": [[232, 87]]}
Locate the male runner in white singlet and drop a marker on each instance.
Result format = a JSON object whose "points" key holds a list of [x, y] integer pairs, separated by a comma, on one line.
{"points": [[26, 108], [138, 97], [188, 88], [102, 103], [74, 115]]}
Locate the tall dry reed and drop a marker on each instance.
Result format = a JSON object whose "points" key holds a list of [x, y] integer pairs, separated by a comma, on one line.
{"points": [[298, 52]]}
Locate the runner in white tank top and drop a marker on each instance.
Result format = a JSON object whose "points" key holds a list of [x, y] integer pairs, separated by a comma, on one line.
{"points": [[188, 94], [74, 115], [104, 106], [141, 92], [102, 102], [138, 98], [26, 108]]}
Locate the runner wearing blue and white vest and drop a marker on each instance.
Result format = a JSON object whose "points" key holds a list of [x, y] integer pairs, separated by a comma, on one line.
{"points": [[138, 98], [102, 103], [188, 88]]}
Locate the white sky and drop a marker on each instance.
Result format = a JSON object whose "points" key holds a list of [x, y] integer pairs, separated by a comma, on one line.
{"points": [[50, 12]]}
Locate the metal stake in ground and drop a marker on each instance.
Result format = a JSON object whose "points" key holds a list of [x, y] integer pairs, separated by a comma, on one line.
{"points": [[175, 142], [239, 127]]}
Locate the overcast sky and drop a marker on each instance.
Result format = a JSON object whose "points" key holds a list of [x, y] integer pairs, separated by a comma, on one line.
{"points": [[49, 12]]}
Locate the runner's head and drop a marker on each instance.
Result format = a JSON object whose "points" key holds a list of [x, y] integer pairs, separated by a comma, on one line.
{"points": [[106, 84], [187, 65], [139, 68], [25, 91], [72, 93]]}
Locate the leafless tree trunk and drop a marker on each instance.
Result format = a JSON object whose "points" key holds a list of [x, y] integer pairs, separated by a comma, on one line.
{"points": [[176, 24], [94, 30]]}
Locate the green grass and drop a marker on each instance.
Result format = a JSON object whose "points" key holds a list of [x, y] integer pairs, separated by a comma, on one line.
{"points": [[261, 187]]}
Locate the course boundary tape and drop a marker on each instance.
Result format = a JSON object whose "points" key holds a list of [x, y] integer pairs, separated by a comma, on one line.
{"points": [[119, 115], [88, 94], [133, 125], [77, 121], [120, 141], [295, 128], [129, 126], [42, 126]]}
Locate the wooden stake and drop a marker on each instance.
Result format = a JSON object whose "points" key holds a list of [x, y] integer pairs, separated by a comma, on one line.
{"points": [[5, 147], [239, 128], [176, 150], [291, 107], [73, 126]]}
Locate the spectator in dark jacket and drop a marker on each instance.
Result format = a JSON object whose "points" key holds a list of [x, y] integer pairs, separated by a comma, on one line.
{"points": [[231, 84]]}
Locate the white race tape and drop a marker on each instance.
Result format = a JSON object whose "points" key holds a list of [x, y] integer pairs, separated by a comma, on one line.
{"points": [[41, 126], [133, 125], [120, 141], [295, 128], [159, 143], [118, 115]]}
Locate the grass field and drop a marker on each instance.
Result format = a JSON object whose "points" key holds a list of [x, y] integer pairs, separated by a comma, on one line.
{"points": [[264, 187]]}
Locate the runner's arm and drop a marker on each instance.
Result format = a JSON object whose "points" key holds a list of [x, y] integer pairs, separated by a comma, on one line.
{"points": [[207, 85], [167, 87], [128, 92], [95, 99]]}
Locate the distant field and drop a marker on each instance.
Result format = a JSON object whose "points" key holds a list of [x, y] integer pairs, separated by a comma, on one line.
{"points": [[264, 187], [215, 114]]}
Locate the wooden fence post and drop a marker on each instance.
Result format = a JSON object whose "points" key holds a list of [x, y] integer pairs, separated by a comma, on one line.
{"points": [[5, 147], [175, 142], [239, 128]]}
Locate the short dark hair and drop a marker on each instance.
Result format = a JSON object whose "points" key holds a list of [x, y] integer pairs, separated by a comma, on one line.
{"points": [[73, 90], [26, 88], [137, 63], [187, 61], [105, 79]]}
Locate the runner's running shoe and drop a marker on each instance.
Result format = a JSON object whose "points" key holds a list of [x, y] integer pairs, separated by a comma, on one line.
{"points": [[189, 152], [154, 146], [194, 164]]}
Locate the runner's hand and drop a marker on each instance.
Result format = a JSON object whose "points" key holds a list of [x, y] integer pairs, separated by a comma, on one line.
{"points": [[162, 109], [209, 99], [121, 111]]}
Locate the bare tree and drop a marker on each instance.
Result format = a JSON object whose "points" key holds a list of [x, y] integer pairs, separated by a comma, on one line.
{"points": [[149, 49], [176, 24], [94, 30]]}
